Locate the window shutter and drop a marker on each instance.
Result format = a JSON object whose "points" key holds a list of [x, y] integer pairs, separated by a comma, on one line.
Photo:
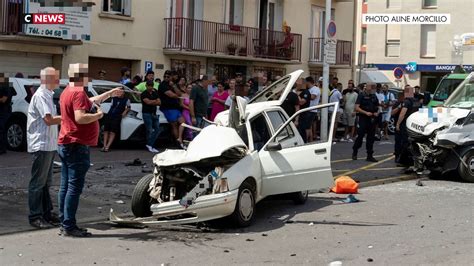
{"points": [[428, 40], [393, 32]]}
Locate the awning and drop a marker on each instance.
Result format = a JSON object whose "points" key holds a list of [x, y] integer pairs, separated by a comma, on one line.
{"points": [[374, 76]]}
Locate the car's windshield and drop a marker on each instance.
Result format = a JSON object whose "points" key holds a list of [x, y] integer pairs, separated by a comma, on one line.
{"points": [[445, 88], [463, 97], [134, 97], [272, 92]]}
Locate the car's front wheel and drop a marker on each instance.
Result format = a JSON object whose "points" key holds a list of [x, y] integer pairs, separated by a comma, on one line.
{"points": [[391, 126], [466, 167], [16, 134], [141, 200], [245, 208]]}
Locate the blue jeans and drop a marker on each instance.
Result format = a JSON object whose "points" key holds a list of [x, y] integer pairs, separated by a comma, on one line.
{"points": [[75, 160], [152, 125], [39, 199]]}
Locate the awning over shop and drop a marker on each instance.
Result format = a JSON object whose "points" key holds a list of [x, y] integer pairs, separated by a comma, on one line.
{"points": [[374, 76]]}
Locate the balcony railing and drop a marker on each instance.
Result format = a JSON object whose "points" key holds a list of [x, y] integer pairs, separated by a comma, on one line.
{"points": [[343, 51], [217, 38], [10, 16]]}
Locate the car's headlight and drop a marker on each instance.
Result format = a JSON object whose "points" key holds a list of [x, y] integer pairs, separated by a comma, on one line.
{"points": [[133, 114]]}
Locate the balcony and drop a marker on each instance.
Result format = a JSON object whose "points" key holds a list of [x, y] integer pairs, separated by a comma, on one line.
{"points": [[212, 39], [343, 52], [10, 17]]}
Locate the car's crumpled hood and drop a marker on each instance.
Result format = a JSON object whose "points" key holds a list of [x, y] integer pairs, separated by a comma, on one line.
{"points": [[211, 142], [419, 122]]}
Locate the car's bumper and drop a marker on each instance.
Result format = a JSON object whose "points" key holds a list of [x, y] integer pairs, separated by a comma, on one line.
{"points": [[205, 208]]}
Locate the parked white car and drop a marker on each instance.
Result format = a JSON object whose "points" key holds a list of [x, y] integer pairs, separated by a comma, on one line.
{"points": [[253, 151], [132, 127]]}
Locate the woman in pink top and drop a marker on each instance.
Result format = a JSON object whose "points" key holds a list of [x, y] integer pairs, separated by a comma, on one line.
{"points": [[187, 117], [218, 100]]}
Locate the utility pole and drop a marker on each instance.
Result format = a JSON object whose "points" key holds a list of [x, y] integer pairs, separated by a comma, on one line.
{"points": [[324, 112]]}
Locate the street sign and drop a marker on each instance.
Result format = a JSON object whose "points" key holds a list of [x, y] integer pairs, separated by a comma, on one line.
{"points": [[148, 66], [330, 51], [331, 29], [398, 73]]}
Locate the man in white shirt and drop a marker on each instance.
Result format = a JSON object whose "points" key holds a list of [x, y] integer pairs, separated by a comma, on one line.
{"points": [[387, 103], [335, 96], [380, 97], [315, 99], [42, 136]]}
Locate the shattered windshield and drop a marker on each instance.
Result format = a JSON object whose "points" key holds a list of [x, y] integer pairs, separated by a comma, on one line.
{"points": [[463, 97], [272, 92]]}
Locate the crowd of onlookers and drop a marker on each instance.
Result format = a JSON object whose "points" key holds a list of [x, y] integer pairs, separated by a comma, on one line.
{"points": [[193, 102]]}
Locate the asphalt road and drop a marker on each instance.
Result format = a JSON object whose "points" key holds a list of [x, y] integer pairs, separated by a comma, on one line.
{"points": [[110, 183], [394, 224]]}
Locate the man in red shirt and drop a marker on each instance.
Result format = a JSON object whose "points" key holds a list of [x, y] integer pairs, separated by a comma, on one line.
{"points": [[79, 131]]}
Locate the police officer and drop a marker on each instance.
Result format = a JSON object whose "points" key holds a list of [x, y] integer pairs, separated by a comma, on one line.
{"points": [[367, 106], [410, 105]]}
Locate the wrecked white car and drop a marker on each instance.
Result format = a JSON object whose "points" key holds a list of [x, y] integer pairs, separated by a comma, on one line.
{"points": [[442, 139], [253, 151]]}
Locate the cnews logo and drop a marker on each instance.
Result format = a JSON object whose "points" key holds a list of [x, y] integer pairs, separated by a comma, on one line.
{"points": [[46, 18]]}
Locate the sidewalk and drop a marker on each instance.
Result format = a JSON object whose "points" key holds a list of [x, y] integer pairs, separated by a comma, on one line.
{"points": [[394, 224]]}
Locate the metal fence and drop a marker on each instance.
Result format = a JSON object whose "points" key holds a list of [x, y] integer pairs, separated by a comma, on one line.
{"points": [[343, 51], [10, 16]]}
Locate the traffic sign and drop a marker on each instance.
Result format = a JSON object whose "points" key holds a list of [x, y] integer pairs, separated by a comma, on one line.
{"points": [[398, 72], [148, 66], [331, 29], [330, 51]]}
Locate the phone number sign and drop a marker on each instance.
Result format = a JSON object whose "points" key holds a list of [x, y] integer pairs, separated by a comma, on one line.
{"points": [[75, 27]]}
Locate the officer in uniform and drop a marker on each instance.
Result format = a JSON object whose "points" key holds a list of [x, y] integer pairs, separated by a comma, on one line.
{"points": [[367, 106], [410, 105]]}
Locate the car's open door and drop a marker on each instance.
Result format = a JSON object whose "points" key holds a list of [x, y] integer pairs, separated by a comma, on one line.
{"points": [[298, 167]]}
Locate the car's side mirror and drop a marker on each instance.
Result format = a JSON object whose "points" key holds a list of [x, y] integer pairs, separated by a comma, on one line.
{"points": [[273, 146]]}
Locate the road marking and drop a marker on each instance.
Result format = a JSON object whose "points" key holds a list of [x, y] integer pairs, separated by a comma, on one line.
{"points": [[384, 180], [365, 167], [350, 159], [371, 169]]}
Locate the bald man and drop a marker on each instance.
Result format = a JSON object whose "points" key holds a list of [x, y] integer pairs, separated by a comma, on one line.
{"points": [[42, 135]]}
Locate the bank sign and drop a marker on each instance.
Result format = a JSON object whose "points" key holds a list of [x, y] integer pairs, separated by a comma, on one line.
{"points": [[413, 67], [76, 25]]}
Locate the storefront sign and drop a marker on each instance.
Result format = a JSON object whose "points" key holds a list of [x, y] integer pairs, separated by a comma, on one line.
{"points": [[76, 26], [411, 67], [424, 68]]}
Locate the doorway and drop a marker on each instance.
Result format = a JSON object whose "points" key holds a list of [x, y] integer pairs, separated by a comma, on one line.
{"points": [[184, 31]]}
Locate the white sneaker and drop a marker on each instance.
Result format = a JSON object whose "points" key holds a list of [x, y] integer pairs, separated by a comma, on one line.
{"points": [[154, 150], [150, 148], [349, 140]]}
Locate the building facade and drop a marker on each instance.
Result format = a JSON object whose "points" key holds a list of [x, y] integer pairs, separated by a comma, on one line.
{"points": [[424, 51], [194, 37]]}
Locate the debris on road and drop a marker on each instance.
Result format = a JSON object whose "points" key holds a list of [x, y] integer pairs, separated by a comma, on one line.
{"points": [[370, 260], [226, 251], [370, 247], [336, 263], [350, 199], [136, 162], [105, 167], [264, 235], [293, 255], [311, 224], [419, 183], [119, 202], [345, 185], [249, 240]]}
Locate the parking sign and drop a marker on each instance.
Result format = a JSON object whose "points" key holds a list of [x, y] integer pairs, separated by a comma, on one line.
{"points": [[148, 66]]}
